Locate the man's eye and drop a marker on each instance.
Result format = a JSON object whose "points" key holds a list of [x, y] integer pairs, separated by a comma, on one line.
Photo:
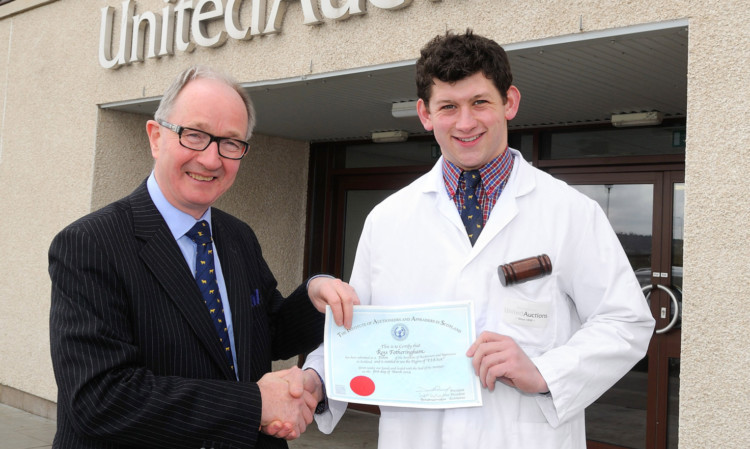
{"points": [[193, 135], [232, 145]]}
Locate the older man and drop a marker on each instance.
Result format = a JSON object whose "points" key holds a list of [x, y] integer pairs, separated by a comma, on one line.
{"points": [[165, 317]]}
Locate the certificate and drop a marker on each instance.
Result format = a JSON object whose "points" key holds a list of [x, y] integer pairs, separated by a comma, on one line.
{"points": [[405, 356]]}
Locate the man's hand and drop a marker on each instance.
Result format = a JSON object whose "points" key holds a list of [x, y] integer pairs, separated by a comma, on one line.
{"points": [[313, 385], [289, 399], [498, 357], [335, 293]]}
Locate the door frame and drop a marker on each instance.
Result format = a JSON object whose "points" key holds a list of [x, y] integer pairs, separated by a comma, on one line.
{"points": [[662, 347], [328, 184]]}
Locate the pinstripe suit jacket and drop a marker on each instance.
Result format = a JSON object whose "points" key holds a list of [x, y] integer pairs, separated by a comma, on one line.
{"points": [[135, 354]]}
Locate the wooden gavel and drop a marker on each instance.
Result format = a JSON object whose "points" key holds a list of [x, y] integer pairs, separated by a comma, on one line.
{"points": [[524, 270]]}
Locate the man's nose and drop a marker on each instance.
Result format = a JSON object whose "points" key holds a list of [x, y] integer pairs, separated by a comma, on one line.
{"points": [[466, 119], [210, 157]]}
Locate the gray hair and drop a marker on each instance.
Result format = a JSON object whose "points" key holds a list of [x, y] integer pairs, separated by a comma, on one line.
{"points": [[202, 72]]}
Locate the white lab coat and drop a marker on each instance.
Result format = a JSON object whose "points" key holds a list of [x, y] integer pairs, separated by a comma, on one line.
{"points": [[414, 250]]}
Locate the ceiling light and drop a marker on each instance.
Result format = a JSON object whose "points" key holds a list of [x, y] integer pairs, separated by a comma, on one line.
{"points": [[390, 136], [404, 109], [637, 119]]}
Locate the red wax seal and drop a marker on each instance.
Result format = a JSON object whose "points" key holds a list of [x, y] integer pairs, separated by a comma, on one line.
{"points": [[362, 385]]}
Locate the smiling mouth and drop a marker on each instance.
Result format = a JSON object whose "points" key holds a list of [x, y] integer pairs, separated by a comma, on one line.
{"points": [[470, 139], [201, 178]]}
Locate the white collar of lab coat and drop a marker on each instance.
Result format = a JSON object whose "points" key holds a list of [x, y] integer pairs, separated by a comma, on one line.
{"points": [[520, 182]]}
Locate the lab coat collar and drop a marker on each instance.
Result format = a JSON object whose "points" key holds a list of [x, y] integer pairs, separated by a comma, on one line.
{"points": [[520, 182]]}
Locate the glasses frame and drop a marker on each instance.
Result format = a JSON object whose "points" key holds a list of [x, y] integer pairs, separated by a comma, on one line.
{"points": [[179, 129]]}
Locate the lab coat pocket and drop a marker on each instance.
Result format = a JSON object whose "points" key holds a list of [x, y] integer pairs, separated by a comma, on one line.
{"points": [[542, 436], [528, 314], [533, 430]]}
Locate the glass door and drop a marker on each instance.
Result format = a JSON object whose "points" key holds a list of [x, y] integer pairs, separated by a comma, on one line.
{"points": [[619, 416], [646, 211]]}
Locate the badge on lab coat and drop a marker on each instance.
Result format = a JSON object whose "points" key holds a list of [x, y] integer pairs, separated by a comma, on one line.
{"points": [[526, 313]]}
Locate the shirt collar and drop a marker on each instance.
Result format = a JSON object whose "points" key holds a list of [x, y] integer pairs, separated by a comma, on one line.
{"points": [[492, 173], [178, 221], [451, 175]]}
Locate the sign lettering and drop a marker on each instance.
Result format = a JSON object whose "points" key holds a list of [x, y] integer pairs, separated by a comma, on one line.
{"points": [[182, 25]]}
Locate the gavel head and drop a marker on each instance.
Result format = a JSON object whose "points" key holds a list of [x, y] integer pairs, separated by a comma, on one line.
{"points": [[524, 270]]}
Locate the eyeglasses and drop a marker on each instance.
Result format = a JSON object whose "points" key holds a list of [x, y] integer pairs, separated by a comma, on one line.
{"points": [[195, 139]]}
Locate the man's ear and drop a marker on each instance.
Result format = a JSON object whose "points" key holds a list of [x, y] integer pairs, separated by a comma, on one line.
{"points": [[424, 115], [153, 130], [512, 103]]}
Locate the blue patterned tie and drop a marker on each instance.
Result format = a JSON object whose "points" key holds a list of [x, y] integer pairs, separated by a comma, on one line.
{"points": [[205, 276], [471, 214]]}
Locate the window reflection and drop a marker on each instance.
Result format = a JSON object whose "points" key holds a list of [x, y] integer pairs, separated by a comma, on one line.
{"points": [[618, 417], [359, 203], [398, 154], [629, 208], [678, 214], [646, 141]]}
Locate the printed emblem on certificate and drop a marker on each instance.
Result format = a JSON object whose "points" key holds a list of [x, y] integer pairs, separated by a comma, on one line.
{"points": [[406, 356]]}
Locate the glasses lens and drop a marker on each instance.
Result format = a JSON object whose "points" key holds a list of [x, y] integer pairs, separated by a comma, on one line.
{"points": [[194, 139], [232, 148]]}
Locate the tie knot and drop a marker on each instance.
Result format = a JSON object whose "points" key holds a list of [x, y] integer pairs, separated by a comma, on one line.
{"points": [[200, 233], [472, 178]]}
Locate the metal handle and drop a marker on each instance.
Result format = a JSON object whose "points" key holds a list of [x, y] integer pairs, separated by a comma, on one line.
{"points": [[675, 304]]}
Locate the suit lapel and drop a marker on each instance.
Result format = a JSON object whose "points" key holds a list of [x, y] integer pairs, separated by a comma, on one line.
{"points": [[163, 257], [233, 269]]}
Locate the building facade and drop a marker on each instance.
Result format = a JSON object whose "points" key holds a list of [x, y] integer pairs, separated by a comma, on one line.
{"points": [[332, 80]]}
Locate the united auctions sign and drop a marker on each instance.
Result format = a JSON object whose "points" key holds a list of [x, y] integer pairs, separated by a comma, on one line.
{"points": [[183, 24]]}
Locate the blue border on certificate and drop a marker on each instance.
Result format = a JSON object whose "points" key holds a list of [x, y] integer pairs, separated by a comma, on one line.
{"points": [[403, 356]]}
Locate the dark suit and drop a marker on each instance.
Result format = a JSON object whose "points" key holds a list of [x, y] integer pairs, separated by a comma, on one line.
{"points": [[135, 353]]}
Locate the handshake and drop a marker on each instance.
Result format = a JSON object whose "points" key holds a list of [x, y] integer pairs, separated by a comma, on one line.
{"points": [[289, 400], [290, 396]]}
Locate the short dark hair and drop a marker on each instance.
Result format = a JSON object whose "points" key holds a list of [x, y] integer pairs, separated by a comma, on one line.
{"points": [[453, 57]]}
